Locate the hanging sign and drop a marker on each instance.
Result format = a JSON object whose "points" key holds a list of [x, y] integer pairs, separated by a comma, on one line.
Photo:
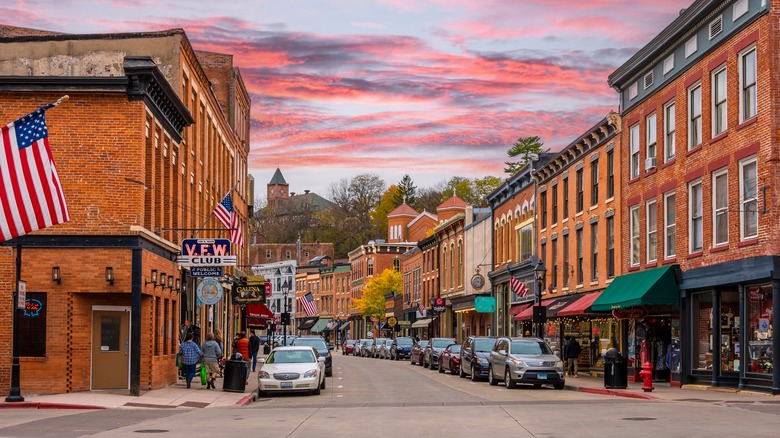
{"points": [[438, 305], [206, 252], [21, 295], [210, 291]]}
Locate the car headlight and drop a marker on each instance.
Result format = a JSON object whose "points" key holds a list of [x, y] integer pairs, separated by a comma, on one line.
{"points": [[559, 365], [518, 363], [263, 375], [482, 360], [311, 373]]}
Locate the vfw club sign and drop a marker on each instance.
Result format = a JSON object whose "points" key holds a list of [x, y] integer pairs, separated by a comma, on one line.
{"points": [[206, 252]]}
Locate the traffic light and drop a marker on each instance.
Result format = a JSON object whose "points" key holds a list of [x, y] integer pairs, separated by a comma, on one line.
{"points": [[285, 318]]}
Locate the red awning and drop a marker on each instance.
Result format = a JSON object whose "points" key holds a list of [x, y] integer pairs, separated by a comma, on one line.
{"points": [[256, 323], [580, 306], [528, 312], [258, 310], [514, 309]]}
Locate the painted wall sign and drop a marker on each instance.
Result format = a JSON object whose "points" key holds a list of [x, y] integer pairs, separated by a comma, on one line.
{"points": [[630, 313]]}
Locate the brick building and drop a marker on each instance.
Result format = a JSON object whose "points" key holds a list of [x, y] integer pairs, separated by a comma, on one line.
{"points": [[144, 154], [701, 188]]}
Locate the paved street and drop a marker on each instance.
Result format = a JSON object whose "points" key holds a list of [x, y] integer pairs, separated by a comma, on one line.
{"points": [[391, 398]]}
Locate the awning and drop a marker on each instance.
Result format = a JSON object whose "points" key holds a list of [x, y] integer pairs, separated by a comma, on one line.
{"points": [[649, 287], [307, 322], [420, 323], [582, 305], [320, 326], [514, 309], [258, 310], [528, 312], [256, 322], [559, 304], [344, 326]]}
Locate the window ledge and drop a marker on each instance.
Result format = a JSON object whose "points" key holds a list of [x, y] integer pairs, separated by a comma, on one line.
{"points": [[748, 242], [593, 283], [578, 214], [633, 268], [651, 171], [697, 148], [720, 248], [695, 254], [593, 207], [669, 162], [32, 359], [653, 264], [719, 137], [633, 180], [670, 260], [747, 122]]}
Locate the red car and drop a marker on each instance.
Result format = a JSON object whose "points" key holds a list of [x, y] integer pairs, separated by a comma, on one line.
{"points": [[450, 359], [349, 347], [418, 351]]}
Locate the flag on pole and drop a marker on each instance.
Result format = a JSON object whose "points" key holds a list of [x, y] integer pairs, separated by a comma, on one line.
{"points": [[518, 287], [31, 196], [307, 301], [226, 214], [421, 308]]}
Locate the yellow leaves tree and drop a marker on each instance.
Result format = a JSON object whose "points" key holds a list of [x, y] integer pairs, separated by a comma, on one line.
{"points": [[372, 303]]}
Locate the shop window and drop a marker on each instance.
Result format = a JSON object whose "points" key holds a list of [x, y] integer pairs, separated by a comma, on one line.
{"points": [[702, 331], [729, 331], [31, 326], [759, 329]]}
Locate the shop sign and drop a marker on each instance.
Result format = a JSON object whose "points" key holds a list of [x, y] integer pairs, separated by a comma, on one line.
{"points": [[248, 294], [485, 304], [205, 271], [209, 291], [630, 313], [206, 252], [438, 305], [392, 321]]}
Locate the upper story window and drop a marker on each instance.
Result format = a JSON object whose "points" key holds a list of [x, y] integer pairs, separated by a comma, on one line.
{"points": [[526, 242], [694, 116], [554, 218], [565, 197], [611, 174], [740, 8], [668, 64], [634, 151], [543, 214], [370, 267], [594, 249], [719, 102], [720, 207], [397, 265], [670, 225], [747, 84], [651, 135], [748, 182], [633, 91], [652, 230], [695, 222], [670, 132], [691, 46], [579, 183], [594, 182], [634, 238]]}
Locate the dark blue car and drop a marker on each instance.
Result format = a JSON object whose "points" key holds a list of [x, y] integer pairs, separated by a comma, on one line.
{"points": [[322, 347], [474, 357], [401, 348]]}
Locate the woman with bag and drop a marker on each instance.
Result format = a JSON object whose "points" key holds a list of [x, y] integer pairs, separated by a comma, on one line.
{"points": [[190, 355], [211, 354]]}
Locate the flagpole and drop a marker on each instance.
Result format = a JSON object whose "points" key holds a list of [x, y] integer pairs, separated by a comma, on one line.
{"points": [[212, 211], [15, 393]]}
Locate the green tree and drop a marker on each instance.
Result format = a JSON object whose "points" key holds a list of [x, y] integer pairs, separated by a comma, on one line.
{"points": [[527, 148], [372, 303], [386, 205], [473, 191], [407, 192]]}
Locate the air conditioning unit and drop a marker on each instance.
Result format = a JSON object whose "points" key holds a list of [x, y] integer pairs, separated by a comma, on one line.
{"points": [[650, 163]]}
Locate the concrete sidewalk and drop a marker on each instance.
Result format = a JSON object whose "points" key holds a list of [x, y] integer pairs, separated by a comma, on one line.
{"points": [[173, 397]]}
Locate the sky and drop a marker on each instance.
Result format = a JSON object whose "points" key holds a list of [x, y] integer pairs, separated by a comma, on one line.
{"points": [[429, 88]]}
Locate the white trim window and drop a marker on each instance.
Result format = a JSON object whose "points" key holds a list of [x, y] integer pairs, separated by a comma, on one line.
{"points": [[691, 46], [720, 207], [651, 134], [696, 219], [719, 102], [634, 229], [634, 145], [668, 63], [670, 132], [747, 85], [748, 200], [741, 8], [652, 230], [694, 116], [633, 91], [670, 225]]}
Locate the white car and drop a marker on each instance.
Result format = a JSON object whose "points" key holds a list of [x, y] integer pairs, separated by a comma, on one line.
{"points": [[291, 369]]}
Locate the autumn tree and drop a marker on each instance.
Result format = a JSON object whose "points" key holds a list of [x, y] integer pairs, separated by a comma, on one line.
{"points": [[528, 149], [386, 204], [473, 191], [372, 303]]}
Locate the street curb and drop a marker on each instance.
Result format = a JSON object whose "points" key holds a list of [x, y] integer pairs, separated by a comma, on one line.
{"points": [[612, 392], [246, 400], [45, 405]]}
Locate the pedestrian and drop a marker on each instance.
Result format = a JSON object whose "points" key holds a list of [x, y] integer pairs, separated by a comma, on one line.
{"points": [[572, 352], [241, 346], [221, 359], [190, 355], [254, 348], [211, 354]]}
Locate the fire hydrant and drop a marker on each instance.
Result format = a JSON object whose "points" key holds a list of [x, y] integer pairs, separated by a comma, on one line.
{"points": [[647, 368]]}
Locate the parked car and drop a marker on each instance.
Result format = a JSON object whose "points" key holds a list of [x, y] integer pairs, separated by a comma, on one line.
{"points": [[349, 347], [525, 360], [417, 352], [449, 360], [322, 347], [377, 345], [474, 357], [358, 347], [434, 349], [401, 348], [384, 349], [367, 348], [291, 369]]}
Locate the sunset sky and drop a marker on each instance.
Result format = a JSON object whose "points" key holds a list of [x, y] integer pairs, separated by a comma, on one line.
{"points": [[432, 88]]}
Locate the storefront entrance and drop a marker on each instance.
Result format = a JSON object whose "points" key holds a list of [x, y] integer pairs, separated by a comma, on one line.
{"points": [[110, 347]]}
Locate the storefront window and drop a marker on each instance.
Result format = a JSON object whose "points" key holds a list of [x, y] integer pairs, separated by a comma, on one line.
{"points": [[552, 334], [580, 330], [729, 331], [759, 329], [702, 331], [605, 334], [633, 350], [673, 359]]}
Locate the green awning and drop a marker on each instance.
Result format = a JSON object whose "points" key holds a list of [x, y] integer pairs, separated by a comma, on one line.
{"points": [[649, 287], [320, 326]]}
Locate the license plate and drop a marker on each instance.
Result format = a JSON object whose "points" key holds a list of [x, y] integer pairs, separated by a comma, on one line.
{"points": [[286, 385], [541, 376]]}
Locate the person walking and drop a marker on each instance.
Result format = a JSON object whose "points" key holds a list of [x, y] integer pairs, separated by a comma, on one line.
{"points": [[221, 359], [190, 355], [241, 346], [572, 353], [254, 348], [211, 354]]}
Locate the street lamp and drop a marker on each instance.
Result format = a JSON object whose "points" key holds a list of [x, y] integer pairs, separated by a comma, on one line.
{"points": [[286, 313], [539, 318]]}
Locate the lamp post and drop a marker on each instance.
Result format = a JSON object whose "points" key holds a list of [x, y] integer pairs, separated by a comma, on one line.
{"points": [[540, 274], [286, 314]]}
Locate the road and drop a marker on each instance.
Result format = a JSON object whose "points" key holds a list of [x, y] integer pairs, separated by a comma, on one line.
{"points": [[384, 398]]}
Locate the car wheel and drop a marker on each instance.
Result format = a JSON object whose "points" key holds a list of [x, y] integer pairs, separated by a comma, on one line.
{"points": [[317, 391], [559, 385], [261, 394], [425, 364], [474, 376], [329, 373], [452, 369], [510, 384], [441, 369], [461, 373], [491, 380]]}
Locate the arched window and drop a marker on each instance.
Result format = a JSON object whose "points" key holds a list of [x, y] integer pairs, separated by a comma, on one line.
{"points": [[452, 265], [397, 265], [460, 263], [444, 267]]}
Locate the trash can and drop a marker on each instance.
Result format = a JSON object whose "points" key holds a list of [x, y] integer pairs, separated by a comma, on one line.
{"points": [[266, 349], [615, 370], [235, 374]]}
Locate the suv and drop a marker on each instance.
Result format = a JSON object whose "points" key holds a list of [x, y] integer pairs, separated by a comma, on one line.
{"points": [[434, 349], [322, 347], [401, 347], [474, 356], [525, 360]]}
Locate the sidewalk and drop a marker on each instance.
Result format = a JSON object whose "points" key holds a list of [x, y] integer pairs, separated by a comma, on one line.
{"points": [[172, 397], [664, 391]]}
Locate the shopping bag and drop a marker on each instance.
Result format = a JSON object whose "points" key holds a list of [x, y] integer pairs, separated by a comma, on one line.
{"points": [[203, 376], [178, 360]]}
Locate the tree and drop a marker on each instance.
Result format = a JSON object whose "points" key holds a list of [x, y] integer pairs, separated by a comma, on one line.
{"points": [[372, 303], [430, 197], [472, 191], [407, 192], [350, 222], [386, 205], [528, 149]]}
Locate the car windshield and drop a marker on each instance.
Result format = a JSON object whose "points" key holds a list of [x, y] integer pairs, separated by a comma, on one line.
{"points": [[442, 343], [319, 344], [455, 349], [404, 341], [529, 348], [291, 356], [351, 342], [483, 345], [389, 342], [423, 344], [370, 342]]}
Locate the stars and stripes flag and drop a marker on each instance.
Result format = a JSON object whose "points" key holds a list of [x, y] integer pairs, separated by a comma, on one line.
{"points": [[227, 215], [421, 308], [31, 196], [518, 287], [307, 302]]}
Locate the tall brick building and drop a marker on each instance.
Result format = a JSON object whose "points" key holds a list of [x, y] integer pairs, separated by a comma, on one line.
{"points": [[144, 153]]}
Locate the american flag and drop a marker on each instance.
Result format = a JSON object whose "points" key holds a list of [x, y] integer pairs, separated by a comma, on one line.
{"points": [[421, 308], [518, 287], [307, 301], [225, 213], [31, 196]]}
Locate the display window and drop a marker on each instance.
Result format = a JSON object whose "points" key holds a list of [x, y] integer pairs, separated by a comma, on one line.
{"points": [[759, 329], [729, 332], [605, 334], [580, 330], [702, 331]]}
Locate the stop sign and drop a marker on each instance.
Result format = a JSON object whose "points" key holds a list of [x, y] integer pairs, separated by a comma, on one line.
{"points": [[268, 289]]}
